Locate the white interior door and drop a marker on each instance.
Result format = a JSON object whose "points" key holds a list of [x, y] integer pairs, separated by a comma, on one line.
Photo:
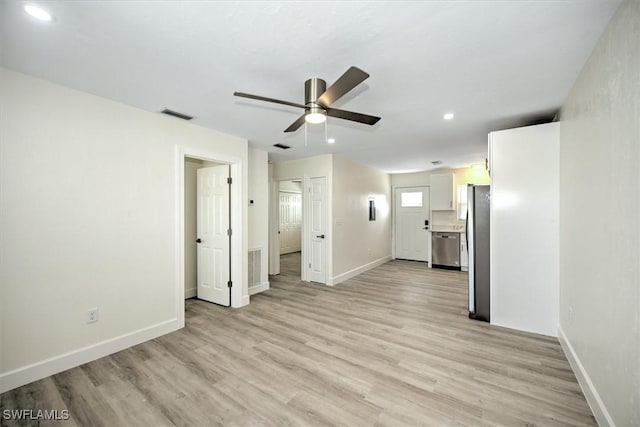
{"points": [[290, 222], [411, 214], [213, 234], [317, 229]]}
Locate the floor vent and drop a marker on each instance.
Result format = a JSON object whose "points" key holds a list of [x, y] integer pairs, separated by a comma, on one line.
{"points": [[255, 267], [176, 114], [284, 147]]}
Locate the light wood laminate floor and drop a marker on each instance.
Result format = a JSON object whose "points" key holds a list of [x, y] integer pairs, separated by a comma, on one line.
{"points": [[393, 347]]}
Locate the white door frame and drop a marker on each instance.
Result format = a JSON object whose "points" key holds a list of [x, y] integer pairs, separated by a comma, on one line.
{"points": [[238, 255]]}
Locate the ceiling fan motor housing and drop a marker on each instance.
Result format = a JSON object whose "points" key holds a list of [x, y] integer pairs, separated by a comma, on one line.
{"points": [[313, 88]]}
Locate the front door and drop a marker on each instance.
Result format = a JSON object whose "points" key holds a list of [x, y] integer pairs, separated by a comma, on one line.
{"points": [[213, 234], [411, 229], [317, 258]]}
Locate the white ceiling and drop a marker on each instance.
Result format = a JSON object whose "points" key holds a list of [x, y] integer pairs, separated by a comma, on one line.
{"points": [[495, 64]]}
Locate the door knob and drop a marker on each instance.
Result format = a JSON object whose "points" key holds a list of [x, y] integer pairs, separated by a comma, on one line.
{"points": [[198, 240], [320, 236]]}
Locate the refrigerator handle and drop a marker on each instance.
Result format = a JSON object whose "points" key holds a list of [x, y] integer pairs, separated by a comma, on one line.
{"points": [[470, 228], [466, 226]]}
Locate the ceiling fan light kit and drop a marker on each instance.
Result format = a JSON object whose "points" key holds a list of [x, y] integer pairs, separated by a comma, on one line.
{"points": [[315, 115], [318, 100]]}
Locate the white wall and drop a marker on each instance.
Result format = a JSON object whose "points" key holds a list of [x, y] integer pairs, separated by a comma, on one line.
{"points": [[85, 224], [296, 169], [599, 223], [258, 213], [190, 223], [463, 176], [359, 244], [524, 228], [353, 243]]}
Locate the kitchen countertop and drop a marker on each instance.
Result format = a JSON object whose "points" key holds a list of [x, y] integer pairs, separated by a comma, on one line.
{"points": [[451, 228]]}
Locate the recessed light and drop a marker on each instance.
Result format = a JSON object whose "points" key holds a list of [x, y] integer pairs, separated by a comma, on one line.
{"points": [[38, 13], [448, 116], [331, 140]]}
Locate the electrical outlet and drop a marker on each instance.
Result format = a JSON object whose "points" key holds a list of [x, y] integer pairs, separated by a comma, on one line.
{"points": [[92, 315]]}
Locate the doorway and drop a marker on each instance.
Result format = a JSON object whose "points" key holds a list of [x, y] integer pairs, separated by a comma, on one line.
{"points": [[412, 223], [206, 238], [290, 226], [186, 285], [299, 219]]}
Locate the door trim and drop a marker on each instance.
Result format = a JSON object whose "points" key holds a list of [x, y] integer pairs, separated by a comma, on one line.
{"points": [[239, 295]]}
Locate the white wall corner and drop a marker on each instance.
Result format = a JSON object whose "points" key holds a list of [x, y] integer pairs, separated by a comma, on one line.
{"points": [[596, 404], [358, 270], [245, 301], [36, 371], [264, 286]]}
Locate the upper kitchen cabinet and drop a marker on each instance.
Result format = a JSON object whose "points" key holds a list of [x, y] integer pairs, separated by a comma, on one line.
{"points": [[442, 192]]}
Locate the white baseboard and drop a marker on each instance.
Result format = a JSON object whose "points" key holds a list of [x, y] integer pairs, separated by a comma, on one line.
{"points": [[590, 393], [190, 293], [358, 270], [36, 371], [259, 288]]}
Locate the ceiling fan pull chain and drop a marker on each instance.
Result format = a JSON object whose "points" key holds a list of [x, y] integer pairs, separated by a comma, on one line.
{"points": [[305, 134], [326, 140]]}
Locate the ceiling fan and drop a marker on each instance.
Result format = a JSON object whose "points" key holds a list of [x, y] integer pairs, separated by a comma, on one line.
{"points": [[318, 100]]}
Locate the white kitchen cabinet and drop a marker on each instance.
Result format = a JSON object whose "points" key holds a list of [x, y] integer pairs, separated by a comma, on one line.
{"points": [[442, 191], [464, 255]]}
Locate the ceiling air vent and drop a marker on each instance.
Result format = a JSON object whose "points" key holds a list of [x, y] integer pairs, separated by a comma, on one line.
{"points": [[436, 162], [284, 147], [176, 114]]}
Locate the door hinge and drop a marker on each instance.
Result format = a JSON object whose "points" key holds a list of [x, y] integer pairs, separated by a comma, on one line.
{"points": [[229, 180], [230, 283], [309, 265], [229, 232]]}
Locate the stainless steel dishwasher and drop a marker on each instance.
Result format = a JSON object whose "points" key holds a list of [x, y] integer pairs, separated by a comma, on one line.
{"points": [[445, 250]]}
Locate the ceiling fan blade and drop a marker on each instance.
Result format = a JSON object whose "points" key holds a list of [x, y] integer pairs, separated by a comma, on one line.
{"points": [[264, 98], [354, 117], [350, 79], [296, 125]]}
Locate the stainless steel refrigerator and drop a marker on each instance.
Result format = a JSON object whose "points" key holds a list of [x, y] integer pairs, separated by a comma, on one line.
{"points": [[477, 232]]}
